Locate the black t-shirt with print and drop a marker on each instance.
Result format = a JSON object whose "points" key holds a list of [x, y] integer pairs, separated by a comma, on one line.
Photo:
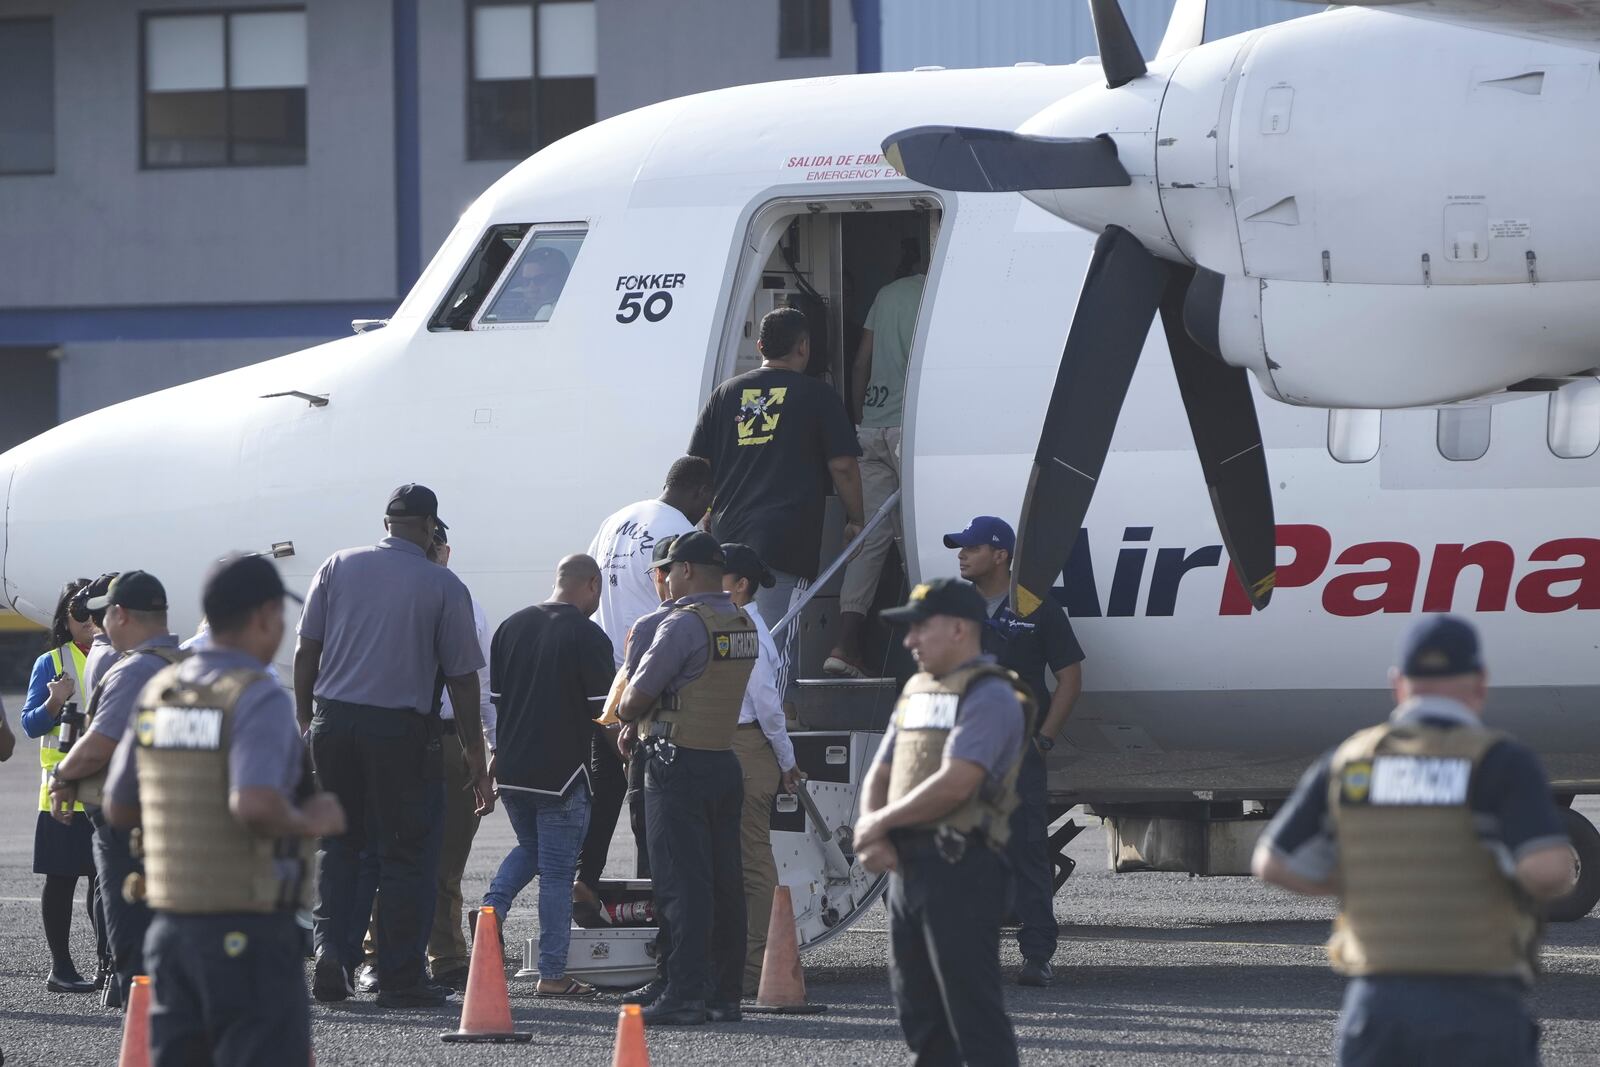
{"points": [[768, 435]]}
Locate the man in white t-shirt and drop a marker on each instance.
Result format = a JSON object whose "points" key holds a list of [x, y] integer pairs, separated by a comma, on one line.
{"points": [[623, 545]]}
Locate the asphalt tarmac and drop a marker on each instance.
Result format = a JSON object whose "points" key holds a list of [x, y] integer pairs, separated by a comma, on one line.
{"points": [[1152, 969]]}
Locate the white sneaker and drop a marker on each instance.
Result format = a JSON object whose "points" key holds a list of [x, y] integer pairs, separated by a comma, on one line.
{"points": [[840, 667]]}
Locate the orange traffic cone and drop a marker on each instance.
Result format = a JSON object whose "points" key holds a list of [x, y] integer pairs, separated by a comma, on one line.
{"points": [[486, 1011], [136, 1030], [629, 1051], [783, 986]]}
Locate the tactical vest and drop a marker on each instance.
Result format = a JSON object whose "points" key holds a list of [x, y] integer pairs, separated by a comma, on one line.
{"points": [[1421, 894], [926, 714], [67, 658], [197, 858], [705, 712], [91, 790]]}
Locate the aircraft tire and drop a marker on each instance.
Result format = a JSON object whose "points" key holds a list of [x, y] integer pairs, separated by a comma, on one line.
{"points": [[1586, 840]]}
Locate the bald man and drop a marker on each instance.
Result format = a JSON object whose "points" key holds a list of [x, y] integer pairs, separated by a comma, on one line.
{"points": [[550, 669]]}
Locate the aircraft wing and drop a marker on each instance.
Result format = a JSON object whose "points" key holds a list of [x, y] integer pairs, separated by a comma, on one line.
{"points": [[1575, 23]]}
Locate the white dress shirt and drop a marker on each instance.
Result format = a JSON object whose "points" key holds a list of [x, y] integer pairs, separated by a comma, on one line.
{"points": [[762, 702], [485, 706], [623, 547]]}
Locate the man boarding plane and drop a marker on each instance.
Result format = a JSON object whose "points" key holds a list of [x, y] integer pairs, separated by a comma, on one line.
{"points": [[652, 241]]}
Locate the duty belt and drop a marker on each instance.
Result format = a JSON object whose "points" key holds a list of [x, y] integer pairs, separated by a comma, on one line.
{"points": [[658, 747], [950, 844]]}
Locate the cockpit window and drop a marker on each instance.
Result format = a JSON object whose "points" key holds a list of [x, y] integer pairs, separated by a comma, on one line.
{"points": [[530, 289], [488, 263]]}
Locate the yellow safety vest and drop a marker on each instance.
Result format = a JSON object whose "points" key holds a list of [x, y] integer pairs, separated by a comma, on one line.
{"points": [[50, 752]]}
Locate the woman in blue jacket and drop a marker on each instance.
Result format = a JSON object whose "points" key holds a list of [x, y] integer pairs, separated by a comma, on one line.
{"points": [[53, 713]]}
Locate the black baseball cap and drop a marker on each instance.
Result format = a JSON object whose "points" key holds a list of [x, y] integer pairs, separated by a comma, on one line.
{"points": [[134, 590], [240, 582], [742, 562], [659, 554], [412, 501], [1440, 647], [942, 596], [696, 546]]}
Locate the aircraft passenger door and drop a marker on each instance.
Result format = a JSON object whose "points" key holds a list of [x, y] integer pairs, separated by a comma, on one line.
{"points": [[831, 259]]}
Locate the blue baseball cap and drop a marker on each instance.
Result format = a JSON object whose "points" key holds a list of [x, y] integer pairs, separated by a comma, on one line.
{"points": [[984, 530], [1440, 647]]}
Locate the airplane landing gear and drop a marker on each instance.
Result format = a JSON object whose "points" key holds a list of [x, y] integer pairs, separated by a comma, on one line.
{"points": [[1586, 842]]}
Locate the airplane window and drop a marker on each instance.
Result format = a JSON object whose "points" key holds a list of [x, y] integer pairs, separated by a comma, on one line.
{"points": [[530, 289], [1573, 430], [1354, 434], [1464, 432], [477, 280]]}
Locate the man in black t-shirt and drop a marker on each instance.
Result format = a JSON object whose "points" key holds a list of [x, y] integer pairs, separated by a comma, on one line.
{"points": [[775, 438], [1029, 646]]}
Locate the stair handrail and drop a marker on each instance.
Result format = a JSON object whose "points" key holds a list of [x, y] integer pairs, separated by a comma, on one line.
{"points": [[889, 503]]}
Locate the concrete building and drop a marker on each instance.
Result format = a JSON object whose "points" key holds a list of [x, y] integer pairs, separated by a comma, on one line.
{"points": [[187, 186]]}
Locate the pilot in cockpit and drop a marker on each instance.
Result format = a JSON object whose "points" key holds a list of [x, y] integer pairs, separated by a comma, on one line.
{"points": [[530, 294]]}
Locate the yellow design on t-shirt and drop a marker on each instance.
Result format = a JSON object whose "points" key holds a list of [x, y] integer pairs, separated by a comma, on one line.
{"points": [[757, 418]]}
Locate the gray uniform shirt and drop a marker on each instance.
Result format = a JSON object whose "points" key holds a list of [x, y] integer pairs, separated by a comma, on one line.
{"points": [[988, 728], [389, 621], [680, 648], [102, 656], [120, 689], [264, 748]]}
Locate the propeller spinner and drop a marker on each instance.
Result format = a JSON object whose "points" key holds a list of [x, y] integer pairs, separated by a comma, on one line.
{"points": [[1126, 285]]}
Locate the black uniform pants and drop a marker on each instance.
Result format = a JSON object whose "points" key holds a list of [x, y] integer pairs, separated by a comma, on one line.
{"points": [[125, 921], [944, 956], [385, 766], [228, 990], [609, 782], [1033, 876], [1457, 1021], [693, 806]]}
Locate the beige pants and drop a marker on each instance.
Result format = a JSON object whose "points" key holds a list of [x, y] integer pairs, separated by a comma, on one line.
{"points": [[760, 768], [880, 476], [447, 944]]}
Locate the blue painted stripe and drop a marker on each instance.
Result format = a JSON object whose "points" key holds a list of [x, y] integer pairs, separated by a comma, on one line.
{"points": [[54, 326], [869, 35], [407, 149]]}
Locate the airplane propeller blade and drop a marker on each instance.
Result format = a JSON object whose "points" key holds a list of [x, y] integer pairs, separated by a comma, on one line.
{"points": [[971, 160], [1121, 293], [1186, 28], [1120, 57], [1227, 436]]}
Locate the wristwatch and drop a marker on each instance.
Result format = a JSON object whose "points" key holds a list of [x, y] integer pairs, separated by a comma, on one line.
{"points": [[1045, 743]]}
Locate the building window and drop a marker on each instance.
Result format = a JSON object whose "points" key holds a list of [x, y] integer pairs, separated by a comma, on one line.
{"points": [[225, 90], [805, 29], [27, 87], [531, 77]]}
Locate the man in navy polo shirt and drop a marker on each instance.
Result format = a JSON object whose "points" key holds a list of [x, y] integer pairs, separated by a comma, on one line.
{"points": [[1043, 640]]}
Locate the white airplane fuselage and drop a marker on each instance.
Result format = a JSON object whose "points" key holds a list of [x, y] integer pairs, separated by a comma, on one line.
{"points": [[532, 435]]}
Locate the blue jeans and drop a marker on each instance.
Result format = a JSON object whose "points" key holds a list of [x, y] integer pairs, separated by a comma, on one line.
{"points": [[549, 834]]}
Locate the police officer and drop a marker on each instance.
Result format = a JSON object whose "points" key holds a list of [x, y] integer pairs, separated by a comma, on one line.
{"points": [[936, 812], [1029, 646], [1439, 836], [215, 772], [380, 623], [683, 702], [135, 607]]}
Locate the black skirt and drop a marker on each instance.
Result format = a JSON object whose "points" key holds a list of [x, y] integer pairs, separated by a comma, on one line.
{"points": [[63, 849]]}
